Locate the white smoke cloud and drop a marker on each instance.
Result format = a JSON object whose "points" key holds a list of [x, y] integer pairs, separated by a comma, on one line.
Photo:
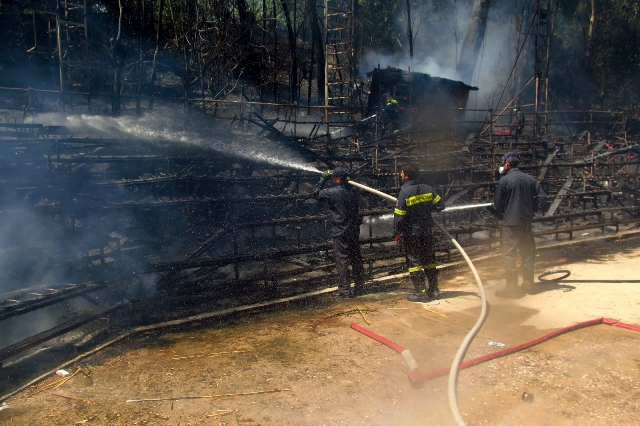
{"points": [[438, 43], [428, 65]]}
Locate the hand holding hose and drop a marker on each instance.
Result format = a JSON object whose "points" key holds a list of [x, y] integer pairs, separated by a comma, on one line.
{"points": [[326, 174]]}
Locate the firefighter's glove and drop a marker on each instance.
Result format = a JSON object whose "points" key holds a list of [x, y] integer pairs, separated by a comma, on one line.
{"points": [[398, 239], [326, 175]]}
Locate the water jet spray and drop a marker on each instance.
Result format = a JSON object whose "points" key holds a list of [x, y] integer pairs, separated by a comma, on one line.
{"points": [[156, 129], [468, 206]]}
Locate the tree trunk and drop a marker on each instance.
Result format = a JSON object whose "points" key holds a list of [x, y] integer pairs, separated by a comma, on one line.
{"points": [[292, 48], [140, 56], [263, 28], [245, 24], [310, 78], [409, 30], [516, 84], [188, 48], [155, 53], [118, 53], [316, 42], [275, 52], [473, 41], [592, 25]]}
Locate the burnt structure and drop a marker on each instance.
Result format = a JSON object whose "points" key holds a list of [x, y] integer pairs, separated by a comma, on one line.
{"points": [[163, 228], [165, 223], [431, 101]]}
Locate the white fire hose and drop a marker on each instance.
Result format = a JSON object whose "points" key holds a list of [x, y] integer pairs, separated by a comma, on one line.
{"points": [[453, 374]]}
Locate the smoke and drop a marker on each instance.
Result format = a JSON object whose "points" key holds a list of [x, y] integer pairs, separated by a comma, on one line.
{"points": [[17, 328], [24, 234], [39, 248], [39, 253], [428, 65], [439, 35]]}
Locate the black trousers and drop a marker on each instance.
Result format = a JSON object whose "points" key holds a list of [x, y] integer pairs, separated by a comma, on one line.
{"points": [[347, 251], [514, 239], [421, 259]]}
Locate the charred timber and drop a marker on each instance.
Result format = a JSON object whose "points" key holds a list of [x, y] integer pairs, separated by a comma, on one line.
{"points": [[584, 213], [280, 254], [287, 220], [214, 288], [266, 255], [42, 301], [35, 340]]}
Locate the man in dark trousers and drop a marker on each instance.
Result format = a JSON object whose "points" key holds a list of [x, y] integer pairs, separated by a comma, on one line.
{"points": [[412, 226], [519, 123], [518, 196], [344, 204]]}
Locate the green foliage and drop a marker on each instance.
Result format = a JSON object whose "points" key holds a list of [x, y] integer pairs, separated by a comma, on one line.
{"points": [[604, 68], [378, 19]]}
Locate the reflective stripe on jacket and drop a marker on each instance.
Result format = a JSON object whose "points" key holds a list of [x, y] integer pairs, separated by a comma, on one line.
{"points": [[412, 215]]}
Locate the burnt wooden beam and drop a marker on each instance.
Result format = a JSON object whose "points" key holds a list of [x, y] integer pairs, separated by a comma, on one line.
{"points": [[47, 300], [545, 168], [39, 338], [265, 255], [559, 197]]}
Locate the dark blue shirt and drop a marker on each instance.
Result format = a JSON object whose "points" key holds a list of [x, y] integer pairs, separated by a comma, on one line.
{"points": [[518, 196], [344, 207]]}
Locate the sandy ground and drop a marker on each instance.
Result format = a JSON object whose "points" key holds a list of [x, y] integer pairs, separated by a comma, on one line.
{"points": [[322, 372]]}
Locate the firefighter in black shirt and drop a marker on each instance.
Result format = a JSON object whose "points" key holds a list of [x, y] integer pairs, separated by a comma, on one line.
{"points": [[518, 196], [343, 201], [412, 226]]}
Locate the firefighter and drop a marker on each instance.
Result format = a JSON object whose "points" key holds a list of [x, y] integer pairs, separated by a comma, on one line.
{"points": [[519, 123], [391, 114], [412, 226], [518, 196], [343, 201]]}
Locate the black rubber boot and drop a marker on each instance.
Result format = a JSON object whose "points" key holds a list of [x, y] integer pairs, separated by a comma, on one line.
{"points": [[344, 290], [433, 291], [528, 276], [358, 289], [420, 295], [341, 294], [511, 290]]}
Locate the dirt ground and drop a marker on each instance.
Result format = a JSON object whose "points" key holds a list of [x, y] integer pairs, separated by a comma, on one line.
{"points": [[301, 363]]}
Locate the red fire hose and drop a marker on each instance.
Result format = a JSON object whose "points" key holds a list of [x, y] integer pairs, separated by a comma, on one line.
{"points": [[414, 372], [416, 376], [457, 362]]}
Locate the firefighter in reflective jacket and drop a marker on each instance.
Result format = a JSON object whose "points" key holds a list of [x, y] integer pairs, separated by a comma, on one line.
{"points": [[412, 226], [391, 115]]}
